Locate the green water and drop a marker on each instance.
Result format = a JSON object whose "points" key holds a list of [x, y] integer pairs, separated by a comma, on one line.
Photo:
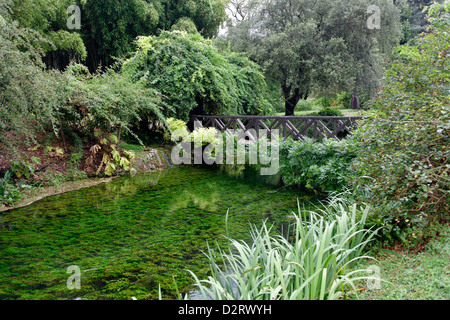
{"points": [[132, 234]]}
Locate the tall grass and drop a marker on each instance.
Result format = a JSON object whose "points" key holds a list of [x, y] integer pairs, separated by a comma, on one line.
{"points": [[311, 263]]}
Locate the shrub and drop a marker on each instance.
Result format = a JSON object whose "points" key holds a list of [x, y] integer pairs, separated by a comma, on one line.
{"points": [[311, 265], [9, 193], [403, 146], [320, 166], [343, 100], [191, 74], [340, 101], [176, 128], [323, 102], [108, 101], [304, 105], [112, 158], [29, 95], [329, 112]]}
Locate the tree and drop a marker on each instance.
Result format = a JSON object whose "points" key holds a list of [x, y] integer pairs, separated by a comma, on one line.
{"points": [[29, 95], [111, 27], [316, 46], [193, 76], [416, 19], [49, 18], [403, 147]]}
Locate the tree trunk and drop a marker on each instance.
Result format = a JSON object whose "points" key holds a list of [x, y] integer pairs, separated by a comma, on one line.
{"points": [[355, 103], [291, 100]]}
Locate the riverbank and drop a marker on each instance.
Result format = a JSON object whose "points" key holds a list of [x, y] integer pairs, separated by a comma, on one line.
{"points": [[148, 160]]}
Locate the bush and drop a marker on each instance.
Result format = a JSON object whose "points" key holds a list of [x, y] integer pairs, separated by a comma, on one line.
{"points": [[9, 193], [107, 157], [340, 101], [304, 105], [323, 102], [320, 166], [107, 101], [311, 265], [192, 74], [329, 112], [403, 147], [29, 95]]}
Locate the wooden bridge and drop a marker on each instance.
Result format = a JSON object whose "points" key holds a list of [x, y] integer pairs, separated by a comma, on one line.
{"points": [[294, 126]]}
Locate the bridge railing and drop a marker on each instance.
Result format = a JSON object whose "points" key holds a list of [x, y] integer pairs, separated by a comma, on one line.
{"points": [[297, 127]]}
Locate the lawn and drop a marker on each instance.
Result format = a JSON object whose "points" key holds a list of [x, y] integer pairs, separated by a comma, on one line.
{"points": [[346, 112], [410, 275]]}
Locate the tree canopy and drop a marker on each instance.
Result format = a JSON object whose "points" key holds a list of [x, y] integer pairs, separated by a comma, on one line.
{"points": [[317, 46], [109, 28], [192, 74]]}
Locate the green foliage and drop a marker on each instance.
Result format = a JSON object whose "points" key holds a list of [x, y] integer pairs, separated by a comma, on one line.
{"points": [[320, 166], [204, 136], [307, 47], [186, 25], [192, 74], [419, 274], [112, 158], [403, 147], [305, 105], [49, 19], [107, 101], [23, 168], [200, 137], [324, 102], [341, 101], [310, 266], [28, 94], [329, 112], [207, 15], [9, 193], [77, 153], [110, 28], [131, 147], [67, 41], [177, 130]]}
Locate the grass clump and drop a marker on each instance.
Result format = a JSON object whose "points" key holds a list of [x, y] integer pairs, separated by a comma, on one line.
{"points": [[310, 263]]}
